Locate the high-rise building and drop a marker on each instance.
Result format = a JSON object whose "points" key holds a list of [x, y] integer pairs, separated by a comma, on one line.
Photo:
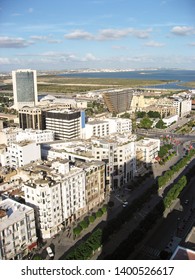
{"points": [[118, 101], [24, 88]]}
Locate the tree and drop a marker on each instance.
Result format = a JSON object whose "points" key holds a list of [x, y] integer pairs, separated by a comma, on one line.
{"points": [[83, 224], [153, 114], [141, 114], [92, 218], [99, 213], [77, 230], [160, 124], [146, 123]]}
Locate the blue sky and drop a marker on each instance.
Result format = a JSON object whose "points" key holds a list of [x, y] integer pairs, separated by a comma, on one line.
{"points": [[63, 34]]}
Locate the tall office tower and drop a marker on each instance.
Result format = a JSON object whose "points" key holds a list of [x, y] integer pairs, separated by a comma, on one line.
{"points": [[24, 88], [30, 118], [118, 101]]}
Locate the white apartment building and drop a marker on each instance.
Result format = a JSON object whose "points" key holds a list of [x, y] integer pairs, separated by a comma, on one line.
{"points": [[120, 125], [38, 136], [17, 230], [44, 196], [106, 126], [73, 195], [149, 149], [98, 128], [72, 150], [21, 153], [57, 193], [186, 107], [119, 154], [10, 135]]}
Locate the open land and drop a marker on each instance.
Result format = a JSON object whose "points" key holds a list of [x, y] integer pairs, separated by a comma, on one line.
{"points": [[61, 84], [190, 84], [68, 86]]}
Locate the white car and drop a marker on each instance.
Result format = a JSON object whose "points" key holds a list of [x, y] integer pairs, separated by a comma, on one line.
{"points": [[50, 252]]}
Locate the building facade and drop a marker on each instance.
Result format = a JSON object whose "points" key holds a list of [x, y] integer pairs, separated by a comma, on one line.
{"points": [[24, 88], [45, 197], [106, 126], [11, 135], [30, 118], [148, 149], [118, 152], [17, 230], [94, 183], [118, 101], [20, 153], [66, 124]]}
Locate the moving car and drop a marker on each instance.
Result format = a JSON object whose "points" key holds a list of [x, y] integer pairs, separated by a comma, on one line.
{"points": [[50, 252]]}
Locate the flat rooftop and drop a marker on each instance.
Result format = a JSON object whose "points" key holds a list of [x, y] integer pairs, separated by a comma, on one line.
{"points": [[15, 211]]}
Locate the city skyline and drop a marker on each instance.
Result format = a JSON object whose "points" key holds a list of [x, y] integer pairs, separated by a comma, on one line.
{"points": [[113, 34]]}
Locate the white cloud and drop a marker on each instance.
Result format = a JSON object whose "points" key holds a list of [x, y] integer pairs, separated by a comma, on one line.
{"points": [[154, 44], [192, 44], [10, 42], [141, 34], [79, 34], [183, 30], [89, 57], [48, 39], [9, 61], [54, 41], [112, 34], [108, 34], [39, 38]]}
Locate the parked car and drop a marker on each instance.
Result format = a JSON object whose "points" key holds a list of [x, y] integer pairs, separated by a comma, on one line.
{"points": [[50, 252]]}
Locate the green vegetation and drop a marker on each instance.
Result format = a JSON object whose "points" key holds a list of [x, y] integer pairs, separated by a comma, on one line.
{"points": [[174, 192], [141, 114], [94, 108], [150, 114], [37, 257], [146, 123], [61, 84], [160, 124], [153, 114], [89, 220], [163, 180], [164, 150], [86, 249]]}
